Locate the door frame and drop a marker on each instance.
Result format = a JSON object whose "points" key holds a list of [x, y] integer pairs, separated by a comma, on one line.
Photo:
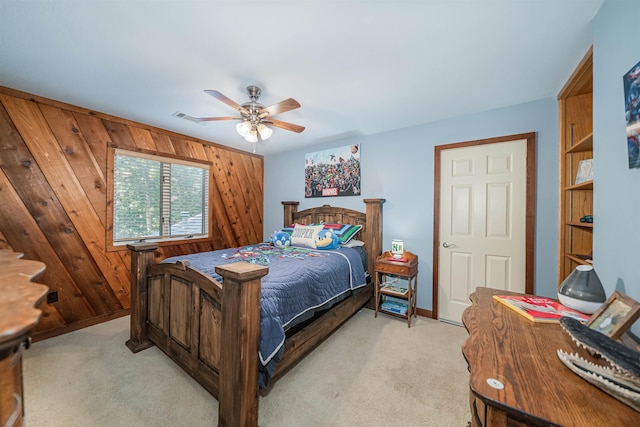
{"points": [[530, 210]]}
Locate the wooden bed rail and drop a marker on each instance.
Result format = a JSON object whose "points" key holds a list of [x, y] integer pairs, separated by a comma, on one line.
{"points": [[142, 257], [240, 332], [212, 329]]}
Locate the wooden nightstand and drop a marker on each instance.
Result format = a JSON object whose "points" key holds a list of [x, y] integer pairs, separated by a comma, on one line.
{"points": [[385, 271]]}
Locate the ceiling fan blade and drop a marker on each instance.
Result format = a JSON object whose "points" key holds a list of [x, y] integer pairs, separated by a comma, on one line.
{"points": [[285, 125], [203, 119], [215, 119], [220, 97], [281, 107]]}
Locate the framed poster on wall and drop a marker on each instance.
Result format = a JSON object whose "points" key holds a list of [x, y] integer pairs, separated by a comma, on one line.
{"points": [[332, 172], [631, 82]]}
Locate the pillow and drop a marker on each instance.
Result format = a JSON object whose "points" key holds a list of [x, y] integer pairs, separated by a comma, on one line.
{"points": [[280, 238], [353, 243], [327, 240], [345, 232], [305, 235], [287, 230]]}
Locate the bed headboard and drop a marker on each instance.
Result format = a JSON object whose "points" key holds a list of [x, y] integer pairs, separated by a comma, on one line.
{"points": [[371, 221]]}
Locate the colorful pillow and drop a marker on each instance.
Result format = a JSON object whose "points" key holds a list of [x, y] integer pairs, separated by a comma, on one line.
{"points": [[305, 235], [287, 230], [345, 232], [280, 238], [327, 240]]}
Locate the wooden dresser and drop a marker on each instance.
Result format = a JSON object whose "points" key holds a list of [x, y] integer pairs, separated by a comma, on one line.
{"points": [[18, 297], [507, 349]]}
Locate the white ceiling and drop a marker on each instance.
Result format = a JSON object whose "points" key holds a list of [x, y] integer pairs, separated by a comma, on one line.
{"points": [[357, 67]]}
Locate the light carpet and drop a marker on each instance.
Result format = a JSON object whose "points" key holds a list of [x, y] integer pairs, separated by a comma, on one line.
{"points": [[371, 372]]}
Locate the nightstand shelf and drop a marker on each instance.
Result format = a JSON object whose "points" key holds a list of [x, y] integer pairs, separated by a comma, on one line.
{"points": [[388, 274]]}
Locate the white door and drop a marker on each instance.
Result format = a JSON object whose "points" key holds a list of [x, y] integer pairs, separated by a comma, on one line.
{"points": [[483, 195]]}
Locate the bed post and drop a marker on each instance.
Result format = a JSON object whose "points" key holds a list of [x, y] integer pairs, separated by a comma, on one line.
{"points": [[289, 209], [373, 233], [240, 325], [142, 257]]}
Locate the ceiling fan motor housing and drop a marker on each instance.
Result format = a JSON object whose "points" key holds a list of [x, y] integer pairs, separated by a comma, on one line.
{"points": [[254, 93]]}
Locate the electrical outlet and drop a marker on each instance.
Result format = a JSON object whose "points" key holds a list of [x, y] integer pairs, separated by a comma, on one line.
{"points": [[52, 297]]}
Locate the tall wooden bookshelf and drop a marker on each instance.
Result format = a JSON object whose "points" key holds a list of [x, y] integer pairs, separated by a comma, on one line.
{"points": [[575, 108]]}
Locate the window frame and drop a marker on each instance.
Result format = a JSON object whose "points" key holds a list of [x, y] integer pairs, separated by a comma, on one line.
{"points": [[159, 157]]}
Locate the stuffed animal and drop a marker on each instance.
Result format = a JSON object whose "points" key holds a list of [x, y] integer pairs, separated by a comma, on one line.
{"points": [[327, 240], [280, 238]]}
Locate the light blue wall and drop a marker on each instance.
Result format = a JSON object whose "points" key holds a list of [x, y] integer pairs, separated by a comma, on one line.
{"points": [[408, 212], [616, 231]]}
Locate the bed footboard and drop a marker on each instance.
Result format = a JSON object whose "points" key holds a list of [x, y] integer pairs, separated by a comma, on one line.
{"points": [[212, 331]]}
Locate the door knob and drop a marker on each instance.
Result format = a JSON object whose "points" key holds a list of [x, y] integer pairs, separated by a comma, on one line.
{"points": [[448, 245]]}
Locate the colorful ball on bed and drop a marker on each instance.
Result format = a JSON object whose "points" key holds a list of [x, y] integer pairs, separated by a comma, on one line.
{"points": [[280, 238], [327, 240]]}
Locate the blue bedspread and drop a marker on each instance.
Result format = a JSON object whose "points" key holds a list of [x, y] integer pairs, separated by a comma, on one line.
{"points": [[299, 281]]}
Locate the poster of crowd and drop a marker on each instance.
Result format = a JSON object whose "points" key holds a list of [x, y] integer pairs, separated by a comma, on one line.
{"points": [[631, 82], [332, 172]]}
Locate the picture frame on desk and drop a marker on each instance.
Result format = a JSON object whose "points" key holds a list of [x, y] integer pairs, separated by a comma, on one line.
{"points": [[615, 316]]}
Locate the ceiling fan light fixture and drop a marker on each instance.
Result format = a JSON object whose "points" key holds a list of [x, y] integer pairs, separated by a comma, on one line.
{"points": [[265, 131], [251, 136], [243, 128]]}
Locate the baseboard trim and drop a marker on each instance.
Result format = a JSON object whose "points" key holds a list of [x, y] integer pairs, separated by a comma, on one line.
{"points": [[424, 313], [39, 336]]}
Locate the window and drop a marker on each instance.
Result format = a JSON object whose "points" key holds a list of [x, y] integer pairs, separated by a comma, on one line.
{"points": [[158, 198]]}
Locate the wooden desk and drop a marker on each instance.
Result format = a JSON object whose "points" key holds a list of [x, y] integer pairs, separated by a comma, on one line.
{"points": [[18, 317], [538, 389]]}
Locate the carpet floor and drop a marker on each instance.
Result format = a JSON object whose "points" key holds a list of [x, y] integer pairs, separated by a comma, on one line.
{"points": [[371, 372]]}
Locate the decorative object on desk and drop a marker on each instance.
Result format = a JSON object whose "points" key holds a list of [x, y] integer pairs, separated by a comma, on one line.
{"points": [[615, 316], [582, 290], [620, 378], [585, 171], [397, 248], [539, 309]]}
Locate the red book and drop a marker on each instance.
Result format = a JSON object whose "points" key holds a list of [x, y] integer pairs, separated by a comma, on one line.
{"points": [[396, 259], [539, 309]]}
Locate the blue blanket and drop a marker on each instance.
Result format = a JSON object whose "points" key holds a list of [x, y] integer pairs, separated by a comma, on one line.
{"points": [[300, 281]]}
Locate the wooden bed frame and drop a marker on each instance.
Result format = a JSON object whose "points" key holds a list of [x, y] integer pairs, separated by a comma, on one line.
{"points": [[211, 330]]}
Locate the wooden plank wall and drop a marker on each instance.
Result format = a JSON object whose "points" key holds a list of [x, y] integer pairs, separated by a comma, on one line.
{"points": [[53, 196]]}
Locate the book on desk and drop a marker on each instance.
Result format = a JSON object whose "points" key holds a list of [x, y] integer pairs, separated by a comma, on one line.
{"points": [[539, 309]]}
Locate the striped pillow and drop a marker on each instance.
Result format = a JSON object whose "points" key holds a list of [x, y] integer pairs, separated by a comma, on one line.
{"points": [[345, 232]]}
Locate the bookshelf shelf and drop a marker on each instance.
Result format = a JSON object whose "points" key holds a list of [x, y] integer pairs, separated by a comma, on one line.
{"points": [[575, 123]]}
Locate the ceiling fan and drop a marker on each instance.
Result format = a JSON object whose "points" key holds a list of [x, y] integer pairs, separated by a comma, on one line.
{"points": [[255, 118]]}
